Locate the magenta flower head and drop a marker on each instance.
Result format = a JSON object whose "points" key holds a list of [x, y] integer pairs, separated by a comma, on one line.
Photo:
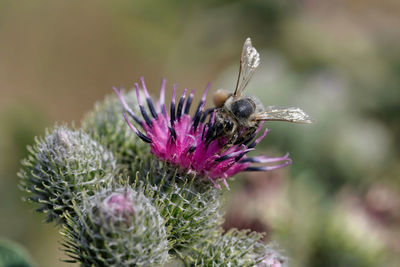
{"points": [[184, 141], [213, 143]]}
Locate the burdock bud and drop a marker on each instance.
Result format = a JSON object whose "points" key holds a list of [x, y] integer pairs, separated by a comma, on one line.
{"points": [[61, 166], [118, 206], [116, 227], [73, 152]]}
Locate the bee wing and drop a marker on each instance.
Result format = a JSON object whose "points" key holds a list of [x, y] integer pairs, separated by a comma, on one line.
{"points": [[249, 61], [289, 114]]}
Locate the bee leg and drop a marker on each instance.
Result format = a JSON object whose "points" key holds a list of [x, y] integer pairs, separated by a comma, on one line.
{"points": [[214, 131], [249, 139], [246, 136], [232, 139]]}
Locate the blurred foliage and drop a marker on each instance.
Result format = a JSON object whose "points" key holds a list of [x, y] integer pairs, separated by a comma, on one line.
{"points": [[12, 255], [339, 203]]}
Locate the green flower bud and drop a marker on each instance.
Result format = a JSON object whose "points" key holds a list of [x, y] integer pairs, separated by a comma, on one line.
{"points": [[116, 227], [61, 166]]}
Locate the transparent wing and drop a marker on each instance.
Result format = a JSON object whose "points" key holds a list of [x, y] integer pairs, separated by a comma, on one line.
{"points": [[249, 61], [290, 114]]}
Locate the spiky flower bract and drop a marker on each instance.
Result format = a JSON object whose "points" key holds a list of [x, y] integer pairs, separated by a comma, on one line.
{"points": [[61, 166], [116, 227], [192, 216], [193, 212], [184, 141], [237, 248], [104, 124]]}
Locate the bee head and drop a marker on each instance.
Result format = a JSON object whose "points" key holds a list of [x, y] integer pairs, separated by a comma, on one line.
{"points": [[243, 108]]}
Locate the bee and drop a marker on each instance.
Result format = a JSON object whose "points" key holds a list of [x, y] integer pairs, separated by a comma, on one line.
{"points": [[237, 116]]}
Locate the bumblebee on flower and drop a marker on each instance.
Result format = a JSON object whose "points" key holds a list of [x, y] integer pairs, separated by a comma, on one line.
{"points": [[213, 142]]}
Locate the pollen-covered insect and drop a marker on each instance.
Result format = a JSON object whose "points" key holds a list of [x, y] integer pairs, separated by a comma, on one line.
{"points": [[238, 116]]}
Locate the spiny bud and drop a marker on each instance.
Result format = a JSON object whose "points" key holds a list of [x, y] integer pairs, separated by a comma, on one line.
{"points": [[116, 227], [61, 166], [234, 248]]}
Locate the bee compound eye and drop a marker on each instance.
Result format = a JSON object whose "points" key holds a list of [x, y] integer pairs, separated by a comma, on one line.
{"points": [[242, 108]]}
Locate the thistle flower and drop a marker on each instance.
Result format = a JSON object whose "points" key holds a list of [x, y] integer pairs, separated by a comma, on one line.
{"points": [[182, 140]]}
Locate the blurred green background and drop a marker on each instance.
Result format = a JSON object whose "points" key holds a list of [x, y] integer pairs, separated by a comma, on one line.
{"points": [[339, 202]]}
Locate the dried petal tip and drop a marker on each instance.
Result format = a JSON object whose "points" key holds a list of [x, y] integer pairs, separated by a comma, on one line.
{"points": [[272, 258], [118, 205], [184, 141]]}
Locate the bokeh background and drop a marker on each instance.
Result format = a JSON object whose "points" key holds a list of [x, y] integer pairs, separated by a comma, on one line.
{"points": [[339, 202]]}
